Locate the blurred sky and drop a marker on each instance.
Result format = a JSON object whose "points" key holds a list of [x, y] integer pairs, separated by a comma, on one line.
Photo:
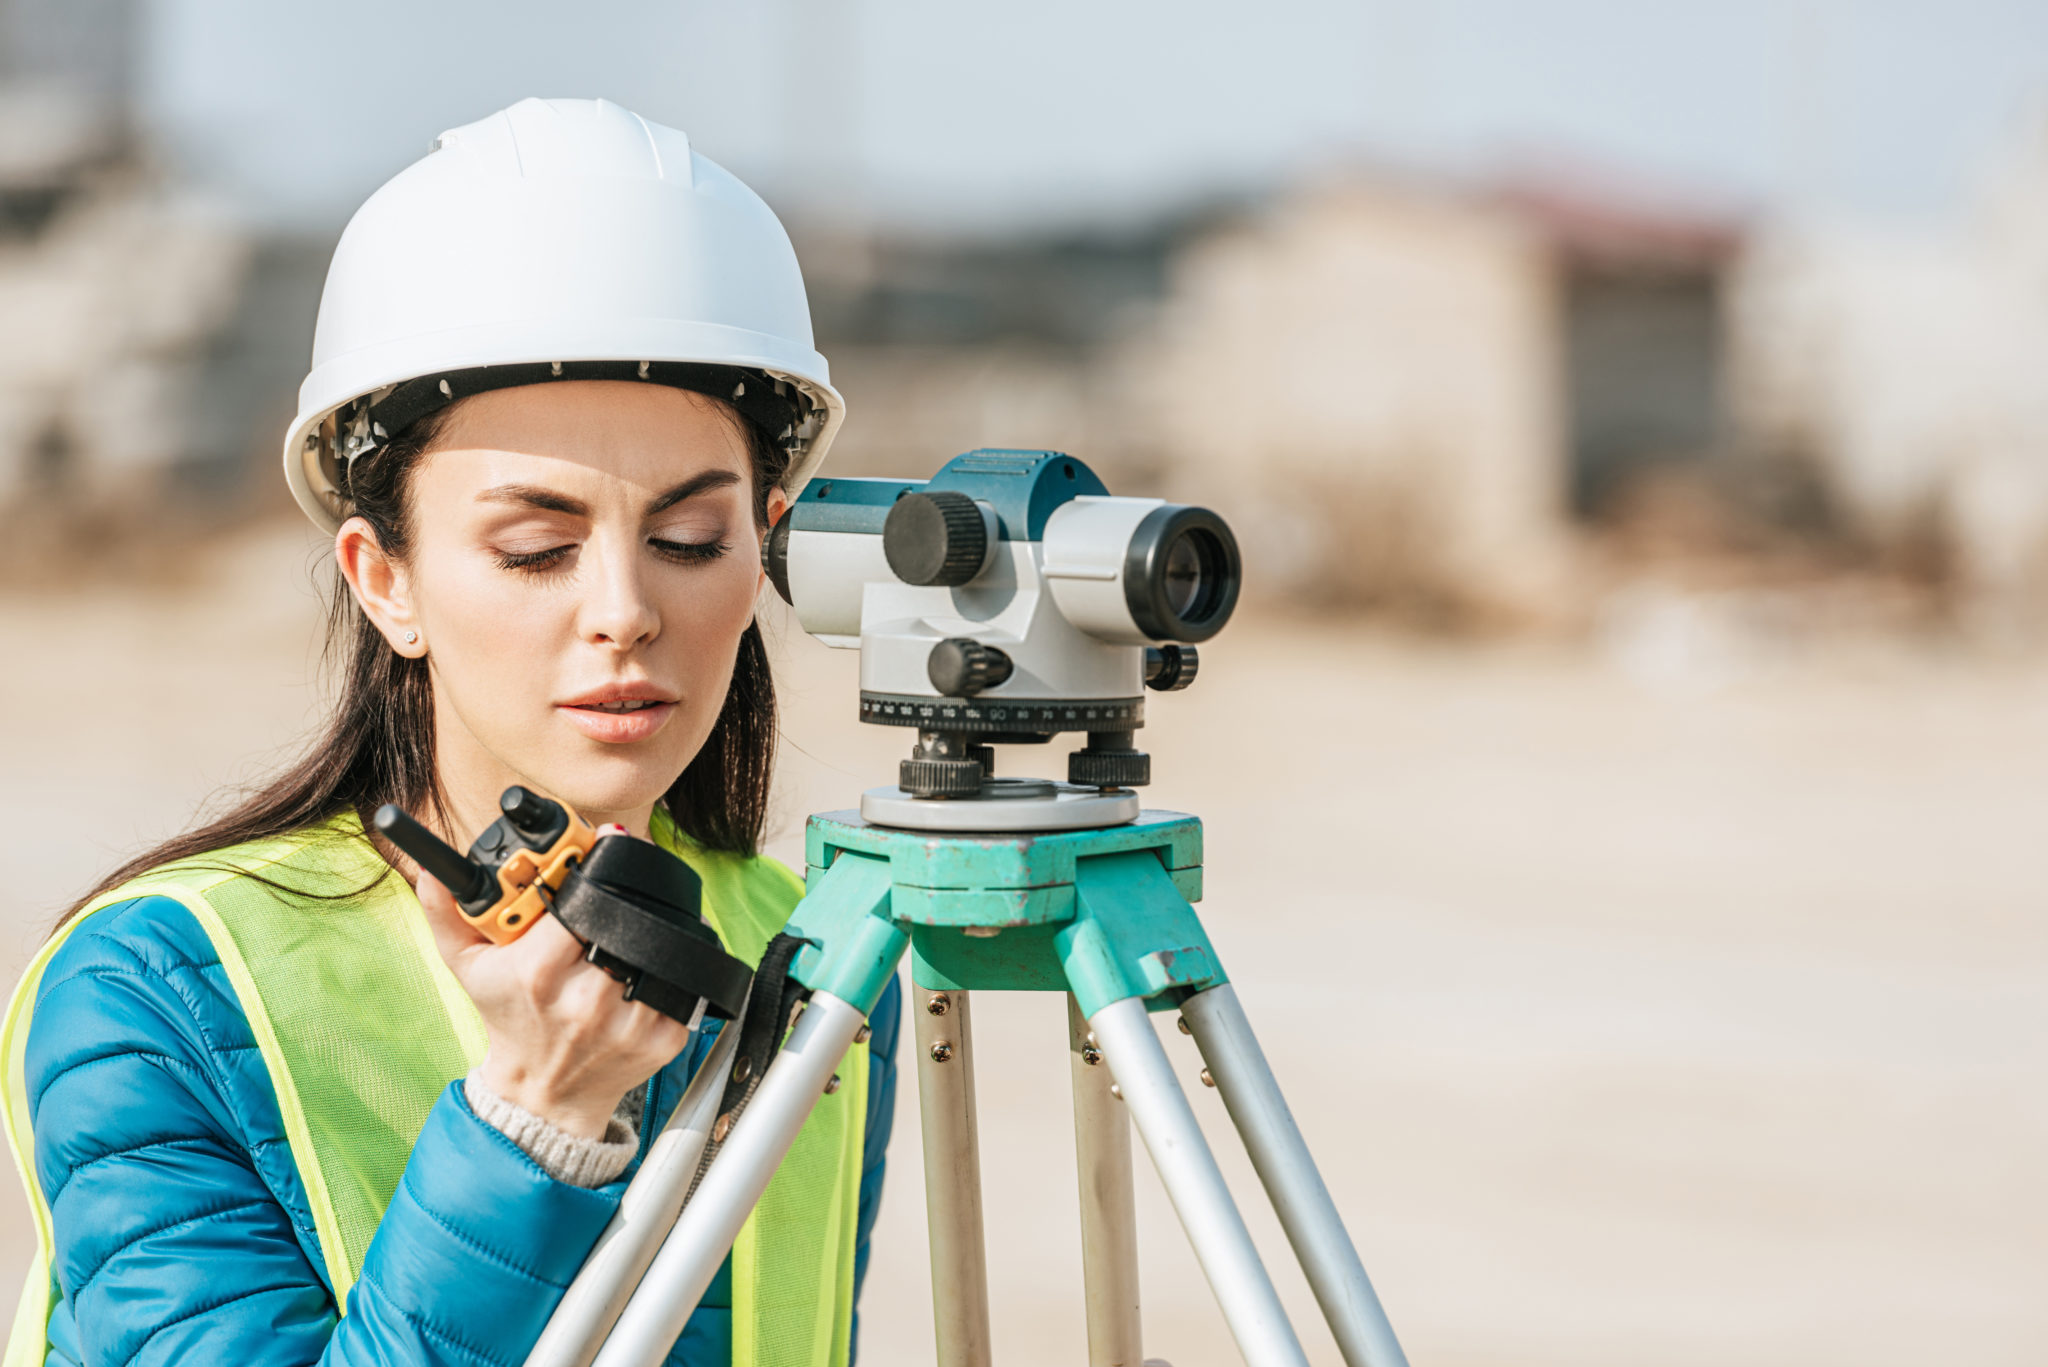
{"points": [[979, 116]]}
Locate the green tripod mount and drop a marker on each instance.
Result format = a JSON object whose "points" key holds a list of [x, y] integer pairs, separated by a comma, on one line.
{"points": [[1104, 914]]}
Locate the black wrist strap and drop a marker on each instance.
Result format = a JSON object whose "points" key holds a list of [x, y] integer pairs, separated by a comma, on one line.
{"points": [[664, 962]]}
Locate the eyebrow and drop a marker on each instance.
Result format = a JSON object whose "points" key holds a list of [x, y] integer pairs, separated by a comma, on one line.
{"points": [[535, 496], [701, 483]]}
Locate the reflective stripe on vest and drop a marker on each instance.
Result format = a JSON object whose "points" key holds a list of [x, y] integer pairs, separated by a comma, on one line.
{"points": [[362, 1027]]}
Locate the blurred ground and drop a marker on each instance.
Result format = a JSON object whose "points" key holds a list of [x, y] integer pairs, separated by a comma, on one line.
{"points": [[1654, 1001]]}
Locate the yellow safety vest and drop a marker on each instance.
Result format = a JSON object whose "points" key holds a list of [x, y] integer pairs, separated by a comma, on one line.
{"points": [[362, 1027]]}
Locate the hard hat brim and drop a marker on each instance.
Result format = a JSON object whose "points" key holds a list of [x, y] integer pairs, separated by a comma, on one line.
{"points": [[308, 459]]}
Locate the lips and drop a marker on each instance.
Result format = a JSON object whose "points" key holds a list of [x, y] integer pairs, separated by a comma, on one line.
{"points": [[619, 714]]}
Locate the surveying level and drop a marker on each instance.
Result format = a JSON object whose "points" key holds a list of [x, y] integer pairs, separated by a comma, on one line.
{"points": [[633, 905], [1007, 600]]}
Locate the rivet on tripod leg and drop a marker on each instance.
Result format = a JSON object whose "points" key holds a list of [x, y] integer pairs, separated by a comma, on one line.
{"points": [[862, 1037], [723, 1128], [743, 1070], [832, 1084], [938, 1003], [1182, 1022], [1207, 1081], [1116, 1091], [941, 1050]]}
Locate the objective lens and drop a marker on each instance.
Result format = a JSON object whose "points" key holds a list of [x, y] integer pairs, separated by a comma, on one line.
{"points": [[1194, 563], [1181, 574]]}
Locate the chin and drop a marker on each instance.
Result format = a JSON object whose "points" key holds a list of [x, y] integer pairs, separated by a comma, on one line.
{"points": [[618, 784]]}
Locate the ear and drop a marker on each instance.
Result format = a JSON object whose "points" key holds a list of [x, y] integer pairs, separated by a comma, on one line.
{"points": [[380, 585]]}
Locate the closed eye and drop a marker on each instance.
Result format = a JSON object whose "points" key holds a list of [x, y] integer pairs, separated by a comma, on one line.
{"points": [[534, 561], [690, 552]]}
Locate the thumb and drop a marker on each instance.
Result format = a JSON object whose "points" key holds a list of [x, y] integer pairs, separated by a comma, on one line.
{"points": [[454, 936]]}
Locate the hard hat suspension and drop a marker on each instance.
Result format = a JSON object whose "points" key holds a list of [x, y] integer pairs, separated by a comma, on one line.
{"points": [[774, 406]]}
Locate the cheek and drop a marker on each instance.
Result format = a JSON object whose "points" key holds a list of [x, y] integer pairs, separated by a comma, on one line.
{"points": [[703, 613], [492, 634]]}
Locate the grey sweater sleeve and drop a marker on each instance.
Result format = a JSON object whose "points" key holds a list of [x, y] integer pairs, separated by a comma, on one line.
{"points": [[563, 1156]]}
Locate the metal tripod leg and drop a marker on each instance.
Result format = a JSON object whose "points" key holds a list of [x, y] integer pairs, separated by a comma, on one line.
{"points": [[1251, 1094], [952, 1177], [646, 1214], [689, 1258], [1222, 1243], [1109, 1218]]}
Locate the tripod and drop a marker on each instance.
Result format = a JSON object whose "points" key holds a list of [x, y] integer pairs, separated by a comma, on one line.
{"points": [[1100, 912]]}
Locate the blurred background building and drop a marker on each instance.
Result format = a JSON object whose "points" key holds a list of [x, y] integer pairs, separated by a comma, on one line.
{"points": [[1636, 417]]}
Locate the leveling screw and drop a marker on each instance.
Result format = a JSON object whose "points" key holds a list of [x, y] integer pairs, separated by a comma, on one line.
{"points": [[941, 1051]]}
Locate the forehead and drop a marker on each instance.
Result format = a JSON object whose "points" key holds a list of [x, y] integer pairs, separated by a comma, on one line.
{"points": [[644, 434]]}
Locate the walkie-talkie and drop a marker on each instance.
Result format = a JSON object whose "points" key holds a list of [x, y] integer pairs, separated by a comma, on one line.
{"points": [[636, 908], [513, 869]]}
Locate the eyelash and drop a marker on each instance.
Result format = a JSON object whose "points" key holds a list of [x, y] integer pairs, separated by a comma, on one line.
{"points": [[532, 561], [690, 552], [681, 552]]}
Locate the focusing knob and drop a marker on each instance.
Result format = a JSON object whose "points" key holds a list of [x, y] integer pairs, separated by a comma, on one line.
{"points": [[1170, 668], [960, 667], [935, 539]]}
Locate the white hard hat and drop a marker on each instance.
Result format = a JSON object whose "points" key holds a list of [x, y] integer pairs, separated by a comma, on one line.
{"points": [[555, 239]]}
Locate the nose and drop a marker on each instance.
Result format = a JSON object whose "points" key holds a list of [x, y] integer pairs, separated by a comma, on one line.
{"points": [[617, 609]]}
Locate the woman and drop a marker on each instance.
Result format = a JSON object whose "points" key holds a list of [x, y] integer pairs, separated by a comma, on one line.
{"points": [[274, 1099]]}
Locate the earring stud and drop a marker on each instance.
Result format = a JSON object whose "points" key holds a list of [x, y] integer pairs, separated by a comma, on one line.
{"points": [[412, 638]]}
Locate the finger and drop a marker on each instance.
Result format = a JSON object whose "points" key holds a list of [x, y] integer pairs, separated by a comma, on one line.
{"points": [[453, 934], [549, 955]]}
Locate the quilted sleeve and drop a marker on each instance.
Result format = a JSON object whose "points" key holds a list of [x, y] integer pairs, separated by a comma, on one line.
{"points": [[182, 1229]]}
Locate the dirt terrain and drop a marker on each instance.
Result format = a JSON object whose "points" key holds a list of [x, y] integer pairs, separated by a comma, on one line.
{"points": [[1645, 1005]]}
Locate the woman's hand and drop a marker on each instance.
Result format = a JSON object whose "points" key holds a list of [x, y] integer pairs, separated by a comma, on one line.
{"points": [[565, 1043]]}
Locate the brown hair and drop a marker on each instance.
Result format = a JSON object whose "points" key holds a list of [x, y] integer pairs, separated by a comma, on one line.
{"points": [[378, 742]]}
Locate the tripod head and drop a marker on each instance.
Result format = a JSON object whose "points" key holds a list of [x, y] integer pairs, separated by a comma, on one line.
{"points": [[1006, 600]]}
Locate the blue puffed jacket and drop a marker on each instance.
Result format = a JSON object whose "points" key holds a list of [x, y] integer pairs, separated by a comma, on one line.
{"points": [[183, 1233]]}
